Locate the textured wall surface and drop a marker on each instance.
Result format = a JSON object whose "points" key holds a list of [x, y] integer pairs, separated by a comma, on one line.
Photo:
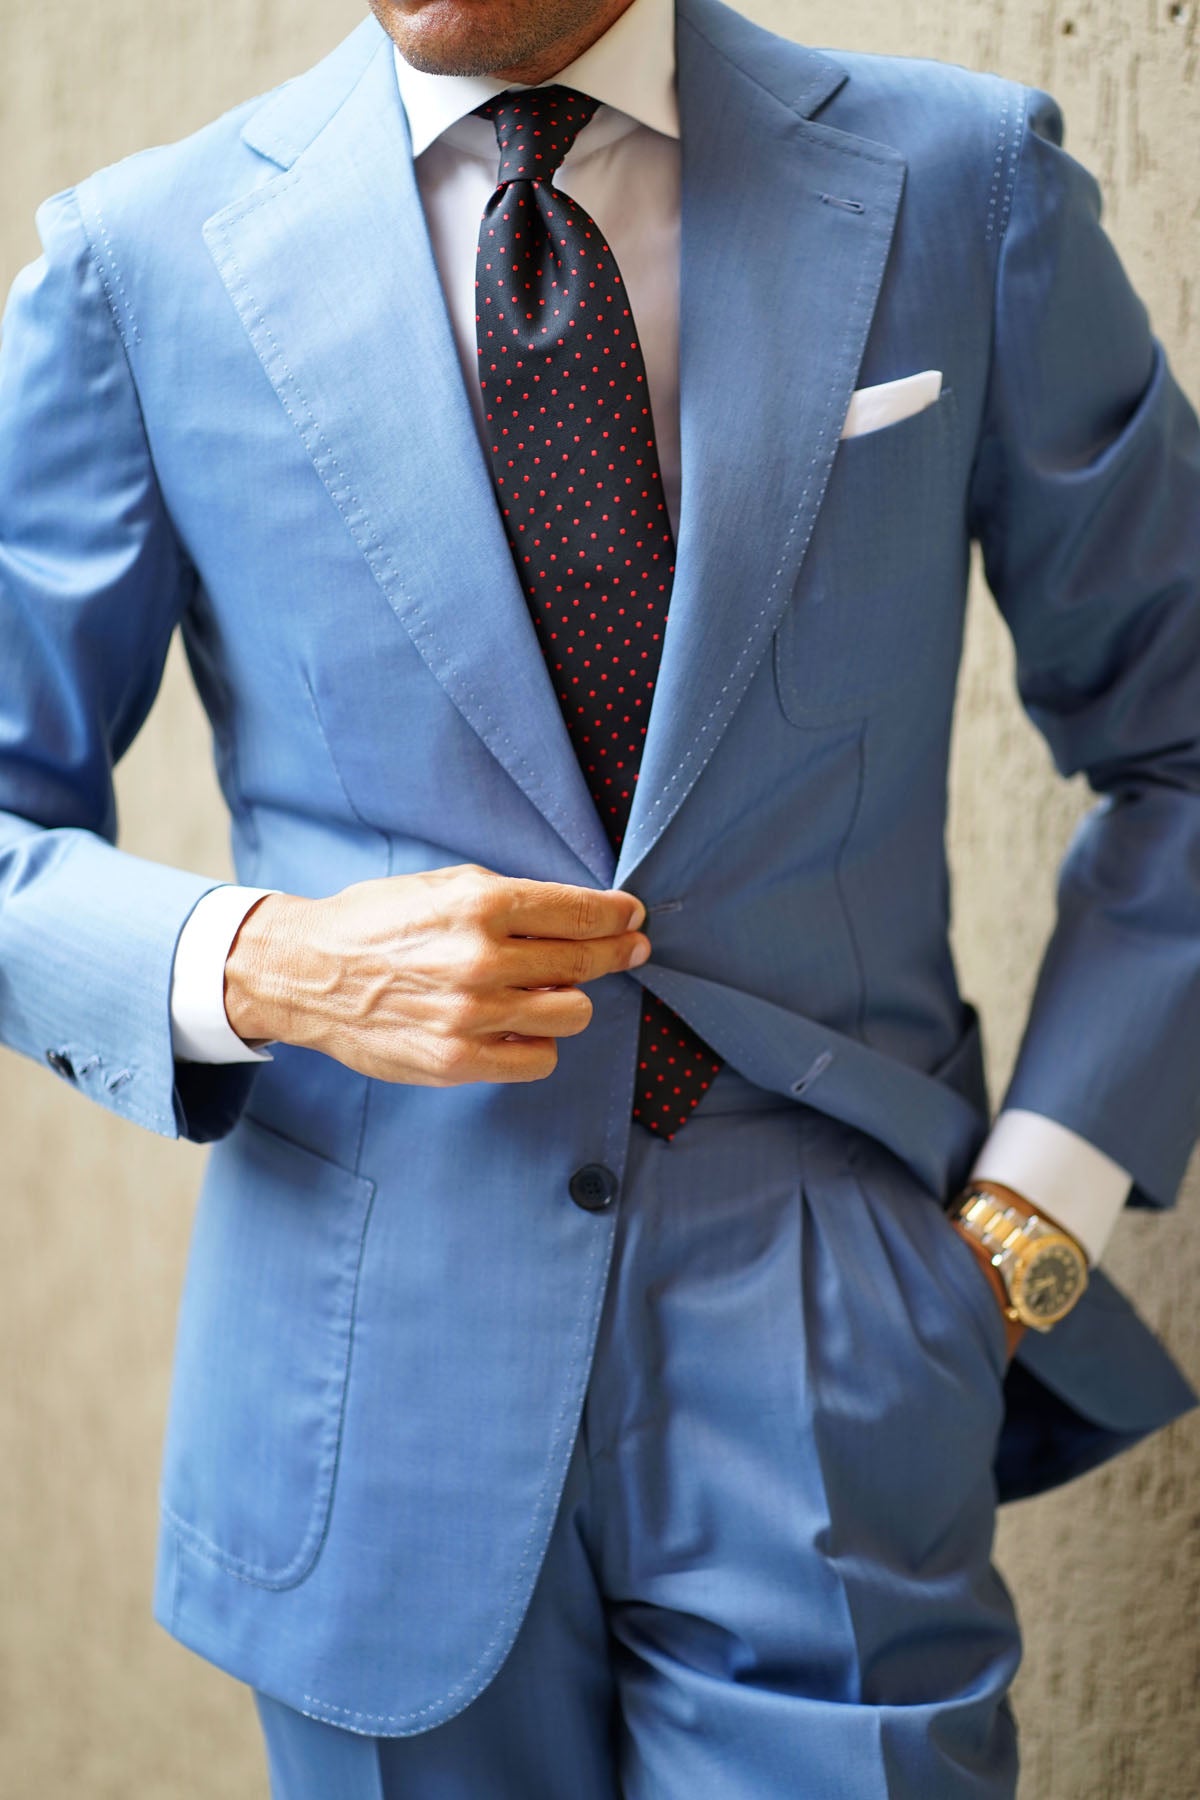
{"points": [[95, 1700]]}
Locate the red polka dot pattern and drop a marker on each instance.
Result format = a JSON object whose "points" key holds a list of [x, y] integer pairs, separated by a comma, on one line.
{"points": [[577, 476]]}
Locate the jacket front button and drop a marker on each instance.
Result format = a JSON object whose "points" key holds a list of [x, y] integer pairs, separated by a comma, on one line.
{"points": [[593, 1187], [61, 1064]]}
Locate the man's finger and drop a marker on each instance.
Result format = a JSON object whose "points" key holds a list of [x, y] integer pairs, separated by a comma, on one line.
{"points": [[551, 909], [564, 962]]}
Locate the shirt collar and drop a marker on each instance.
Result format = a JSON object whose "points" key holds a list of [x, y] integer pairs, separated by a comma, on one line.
{"points": [[631, 68]]}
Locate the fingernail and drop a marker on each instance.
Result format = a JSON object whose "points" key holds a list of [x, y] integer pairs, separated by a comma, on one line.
{"points": [[639, 954], [637, 915]]}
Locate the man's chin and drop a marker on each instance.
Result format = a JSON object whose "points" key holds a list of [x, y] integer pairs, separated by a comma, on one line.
{"points": [[448, 62], [446, 37], [460, 37], [453, 52]]}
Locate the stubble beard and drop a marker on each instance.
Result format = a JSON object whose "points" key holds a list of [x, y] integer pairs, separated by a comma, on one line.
{"points": [[460, 37]]}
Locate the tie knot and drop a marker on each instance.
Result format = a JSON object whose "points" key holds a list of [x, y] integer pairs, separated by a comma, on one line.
{"points": [[535, 128]]}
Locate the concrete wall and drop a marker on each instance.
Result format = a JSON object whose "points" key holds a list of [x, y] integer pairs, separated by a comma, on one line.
{"points": [[94, 1700]]}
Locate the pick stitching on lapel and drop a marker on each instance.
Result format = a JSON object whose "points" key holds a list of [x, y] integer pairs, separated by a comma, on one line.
{"points": [[777, 294], [330, 267]]}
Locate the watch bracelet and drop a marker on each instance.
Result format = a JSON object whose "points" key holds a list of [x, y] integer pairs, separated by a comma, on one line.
{"points": [[997, 1244]]}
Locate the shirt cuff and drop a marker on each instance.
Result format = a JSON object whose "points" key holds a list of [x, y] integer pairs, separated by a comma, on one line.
{"points": [[200, 1030], [1081, 1188]]}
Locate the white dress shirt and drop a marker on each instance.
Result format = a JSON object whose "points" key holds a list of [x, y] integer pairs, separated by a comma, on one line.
{"points": [[624, 169]]}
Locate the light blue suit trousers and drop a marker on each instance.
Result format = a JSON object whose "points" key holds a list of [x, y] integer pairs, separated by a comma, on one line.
{"points": [[769, 1573]]}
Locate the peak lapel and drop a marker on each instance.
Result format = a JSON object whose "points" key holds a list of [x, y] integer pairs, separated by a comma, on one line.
{"points": [[331, 269], [777, 292]]}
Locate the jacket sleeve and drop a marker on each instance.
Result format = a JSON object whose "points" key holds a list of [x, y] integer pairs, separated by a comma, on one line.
{"points": [[92, 581], [1085, 498]]}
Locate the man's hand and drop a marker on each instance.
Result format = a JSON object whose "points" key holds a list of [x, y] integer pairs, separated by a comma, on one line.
{"points": [[436, 979]]}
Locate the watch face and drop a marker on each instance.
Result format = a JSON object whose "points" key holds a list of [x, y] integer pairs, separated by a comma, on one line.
{"points": [[1048, 1280]]}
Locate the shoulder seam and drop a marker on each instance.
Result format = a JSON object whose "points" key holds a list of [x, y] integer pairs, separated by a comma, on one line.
{"points": [[98, 266], [108, 270], [1000, 206], [1004, 164]]}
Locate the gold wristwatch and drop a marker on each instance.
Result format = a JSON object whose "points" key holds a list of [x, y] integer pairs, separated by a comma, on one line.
{"points": [[1043, 1270]]}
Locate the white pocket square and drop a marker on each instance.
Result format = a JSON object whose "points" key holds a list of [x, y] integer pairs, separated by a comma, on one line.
{"points": [[872, 407]]}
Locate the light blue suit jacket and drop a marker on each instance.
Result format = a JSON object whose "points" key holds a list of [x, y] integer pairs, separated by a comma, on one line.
{"points": [[230, 401]]}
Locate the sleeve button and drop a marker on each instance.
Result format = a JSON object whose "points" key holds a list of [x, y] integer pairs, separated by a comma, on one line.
{"points": [[62, 1065]]}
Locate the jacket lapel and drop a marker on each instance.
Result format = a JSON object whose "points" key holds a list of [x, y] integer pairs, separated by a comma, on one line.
{"points": [[330, 267], [778, 287]]}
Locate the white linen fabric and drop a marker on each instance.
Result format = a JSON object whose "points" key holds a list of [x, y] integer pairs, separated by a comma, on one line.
{"points": [[871, 408]]}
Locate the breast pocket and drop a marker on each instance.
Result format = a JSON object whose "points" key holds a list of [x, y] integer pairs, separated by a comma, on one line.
{"points": [[876, 594], [262, 1355]]}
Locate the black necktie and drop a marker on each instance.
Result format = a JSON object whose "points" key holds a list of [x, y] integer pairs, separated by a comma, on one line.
{"points": [[576, 468]]}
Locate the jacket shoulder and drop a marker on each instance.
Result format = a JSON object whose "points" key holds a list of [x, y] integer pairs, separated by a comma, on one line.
{"points": [[157, 197], [960, 130], [921, 95]]}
